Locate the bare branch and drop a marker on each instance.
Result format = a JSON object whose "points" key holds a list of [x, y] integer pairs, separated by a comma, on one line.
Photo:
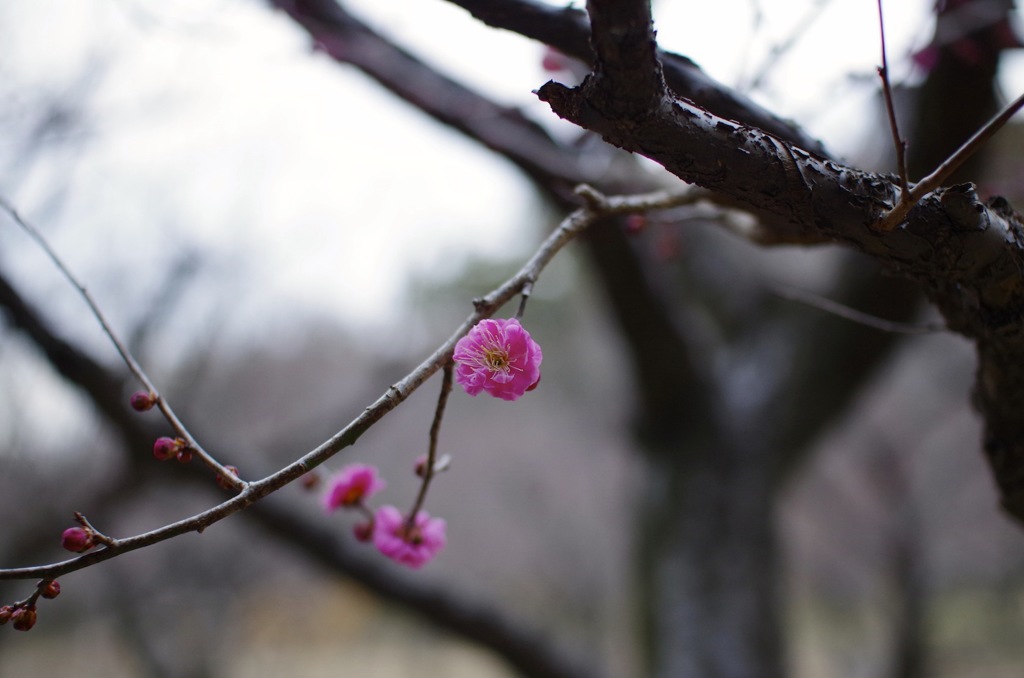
{"points": [[122, 349], [597, 206], [890, 108]]}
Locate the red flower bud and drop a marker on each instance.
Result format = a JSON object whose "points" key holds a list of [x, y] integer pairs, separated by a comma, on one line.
{"points": [[77, 539], [51, 590], [167, 448], [6, 612], [24, 618], [311, 480], [142, 401], [184, 455]]}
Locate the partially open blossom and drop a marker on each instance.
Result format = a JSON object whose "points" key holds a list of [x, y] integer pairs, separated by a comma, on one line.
{"points": [[352, 485], [413, 546], [142, 401], [24, 618], [498, 356], [77, 539]]}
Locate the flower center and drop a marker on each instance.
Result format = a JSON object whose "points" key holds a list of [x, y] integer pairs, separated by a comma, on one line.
{"points": [[496, 359]]}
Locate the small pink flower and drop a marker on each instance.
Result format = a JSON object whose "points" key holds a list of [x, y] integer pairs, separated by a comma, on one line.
{"points": [[352, 485], [498, 356], [415, 546]]}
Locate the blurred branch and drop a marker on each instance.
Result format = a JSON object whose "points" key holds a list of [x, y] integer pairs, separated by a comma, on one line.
{"points": [[449, 610], [966, 254], [122, 349], [568, 31], [73, 362], [636, 303], [505, 130]]}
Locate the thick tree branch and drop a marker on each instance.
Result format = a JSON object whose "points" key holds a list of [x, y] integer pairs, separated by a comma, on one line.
{"points": [[967, 255], [569, 31]]}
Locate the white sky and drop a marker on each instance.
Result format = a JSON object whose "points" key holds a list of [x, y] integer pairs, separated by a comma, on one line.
{"points": [[213, 124]]}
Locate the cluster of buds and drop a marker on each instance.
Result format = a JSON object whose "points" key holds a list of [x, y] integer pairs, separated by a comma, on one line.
{"points": [[22, 617]]}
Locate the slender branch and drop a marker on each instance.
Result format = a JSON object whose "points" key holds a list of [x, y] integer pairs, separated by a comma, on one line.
{"points": [[898, 141], [934, 180], [597, 206], [853, 315], [126, 355], [435, 430]]}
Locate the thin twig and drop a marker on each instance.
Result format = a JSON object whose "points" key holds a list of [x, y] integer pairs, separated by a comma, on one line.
{"points": [[934, 180], [596, 206], [852, 314], [435, 430], [890, 108], [122, 349]]}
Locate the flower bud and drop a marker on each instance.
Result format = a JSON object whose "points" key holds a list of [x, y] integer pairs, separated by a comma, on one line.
{"points": [[6, 612], [51, 590], [167, 448], [311, 480], [222, 481], [24, 618], [77, 539], [184, 455], [142, 401]]}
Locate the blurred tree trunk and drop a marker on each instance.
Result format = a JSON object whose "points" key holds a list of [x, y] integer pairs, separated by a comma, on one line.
{"points": [[707, 545]]}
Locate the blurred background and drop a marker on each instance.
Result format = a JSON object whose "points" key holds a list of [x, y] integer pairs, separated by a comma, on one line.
{"points": [[712, 479]]}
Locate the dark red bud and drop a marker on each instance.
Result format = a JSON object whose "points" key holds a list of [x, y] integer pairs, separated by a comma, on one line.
{"points": [[51, 590], [24, 618], [184, 455], [142, 401], [6, 612]]}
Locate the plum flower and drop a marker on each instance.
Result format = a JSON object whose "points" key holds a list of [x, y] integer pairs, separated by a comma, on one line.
{"points": [[351, 486], [498, 356], [413, 546]]}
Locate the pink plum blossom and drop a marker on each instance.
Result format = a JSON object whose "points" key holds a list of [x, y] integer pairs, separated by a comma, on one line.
{"points": [[415, 546], [351, 486], [498, 356]]}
